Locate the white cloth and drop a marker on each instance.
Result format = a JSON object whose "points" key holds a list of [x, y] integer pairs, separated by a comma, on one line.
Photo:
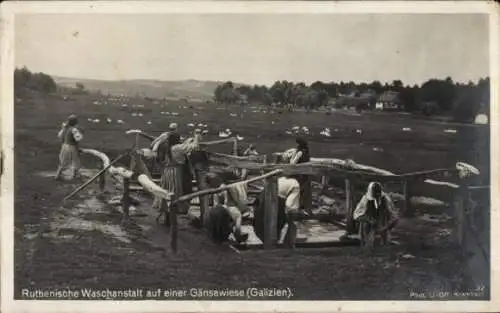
{"points": [[77, 135], [289, 189]]}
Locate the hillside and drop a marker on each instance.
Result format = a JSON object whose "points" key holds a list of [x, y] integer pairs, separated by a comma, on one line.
{"points": [[192, 89]]}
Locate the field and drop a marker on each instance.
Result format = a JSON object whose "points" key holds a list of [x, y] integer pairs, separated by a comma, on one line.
{"points": [[96, 258]]}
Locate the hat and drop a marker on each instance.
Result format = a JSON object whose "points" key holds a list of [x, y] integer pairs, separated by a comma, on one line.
{"points": [[173, 126]]}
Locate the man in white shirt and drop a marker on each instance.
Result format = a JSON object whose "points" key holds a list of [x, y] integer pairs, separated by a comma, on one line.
{"points": [[69, 156]]}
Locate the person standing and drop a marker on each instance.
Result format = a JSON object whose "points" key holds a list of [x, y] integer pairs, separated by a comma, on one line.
{"points": [[177, 159], [302, 156], [69, 156]]}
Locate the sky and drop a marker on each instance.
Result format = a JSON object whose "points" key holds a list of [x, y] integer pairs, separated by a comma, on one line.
{"points": [[256, 48]]}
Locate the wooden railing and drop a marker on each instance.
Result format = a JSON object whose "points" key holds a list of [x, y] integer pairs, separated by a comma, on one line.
{"points": [[269, 172]]}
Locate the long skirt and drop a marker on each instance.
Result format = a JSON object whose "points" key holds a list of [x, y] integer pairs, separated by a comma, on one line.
{"points": [[69, 157], [169, 183]]}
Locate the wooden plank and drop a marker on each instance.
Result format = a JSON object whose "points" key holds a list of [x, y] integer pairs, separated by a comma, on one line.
{"points": [[204, 207], [221, 189], [271, 212], [408, 209], [102, 179], [350, 206], [173, 212], [126, 197], [461, 208]]}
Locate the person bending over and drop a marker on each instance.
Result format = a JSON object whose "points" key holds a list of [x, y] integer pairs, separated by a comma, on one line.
{"points": [[376, 215], [225, 217]]}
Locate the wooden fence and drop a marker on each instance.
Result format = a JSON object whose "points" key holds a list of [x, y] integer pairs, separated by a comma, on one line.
{"points": [[352, 174]]}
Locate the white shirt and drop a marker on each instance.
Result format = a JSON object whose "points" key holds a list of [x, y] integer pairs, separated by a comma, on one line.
{"points": [[77, 135], [289, 189]]}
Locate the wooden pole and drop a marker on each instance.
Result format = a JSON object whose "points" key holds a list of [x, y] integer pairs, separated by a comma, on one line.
{"points": [[102, 179], [201, 184], [101, 172], [349, 189], [126, 198], [461, 207], [408, 209], [271, 212], [174, 208]]}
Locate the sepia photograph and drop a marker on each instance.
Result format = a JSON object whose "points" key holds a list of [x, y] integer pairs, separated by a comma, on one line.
{"points": [[249, 152]]}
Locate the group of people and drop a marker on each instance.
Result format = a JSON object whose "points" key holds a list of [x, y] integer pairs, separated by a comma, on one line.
{"points": [[375, 211]]}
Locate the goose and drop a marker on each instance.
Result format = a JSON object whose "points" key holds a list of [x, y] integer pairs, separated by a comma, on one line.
{"points": [[200, 125], [450, 131], [149, 122], [140, 114], [109, 120], [359, 131], [238, 137], [406, 129], [119, 122], [96, 120], [134, 114], [195, 114], [190, 125], [223, 134], [204, 132]]}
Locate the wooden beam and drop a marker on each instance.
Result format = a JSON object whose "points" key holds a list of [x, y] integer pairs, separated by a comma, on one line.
{"points": [[126, 198], [221, 189], [174, 209], [102, 179], [204, 207], [271, 212], [408, 209], [350, 206], [461, 207]]}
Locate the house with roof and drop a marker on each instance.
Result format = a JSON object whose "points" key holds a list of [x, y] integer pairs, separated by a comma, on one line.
{"points": [[388, 100]]}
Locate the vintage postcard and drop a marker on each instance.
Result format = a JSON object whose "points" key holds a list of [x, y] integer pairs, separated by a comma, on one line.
{"points": [[218, 156]]}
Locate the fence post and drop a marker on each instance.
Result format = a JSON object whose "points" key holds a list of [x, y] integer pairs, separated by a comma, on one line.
{"points": [[271, 212], [349, 194], [408, 208], [174, 209], [126, 198], [461, 202], [201, 184], [102, 180]]}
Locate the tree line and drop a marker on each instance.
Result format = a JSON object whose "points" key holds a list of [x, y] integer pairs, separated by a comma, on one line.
{"points": [[25, 79], [435, 96]]}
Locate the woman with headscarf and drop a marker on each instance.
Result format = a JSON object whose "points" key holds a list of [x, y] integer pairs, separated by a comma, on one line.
{"points": [[69, 156], [376, 214], [302, 156], [177, 159]]}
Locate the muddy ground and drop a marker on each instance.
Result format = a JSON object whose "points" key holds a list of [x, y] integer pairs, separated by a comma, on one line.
{"points": [[84, 244]]}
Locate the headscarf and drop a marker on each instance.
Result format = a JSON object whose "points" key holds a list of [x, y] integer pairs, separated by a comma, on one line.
{"points": [[72, 120], [374, 193]]}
